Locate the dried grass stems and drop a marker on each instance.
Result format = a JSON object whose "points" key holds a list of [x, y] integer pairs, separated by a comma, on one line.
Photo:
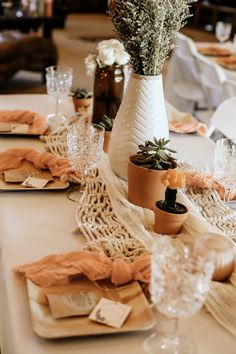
{"points": [[147, 29]]}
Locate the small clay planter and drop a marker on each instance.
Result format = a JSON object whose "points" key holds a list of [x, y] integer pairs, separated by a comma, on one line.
{"points": [[107, 136], [82, 102], [144, 185], [169, 223]]}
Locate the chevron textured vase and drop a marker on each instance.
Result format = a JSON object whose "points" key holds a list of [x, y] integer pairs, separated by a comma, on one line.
{"points": [[141, 116]]}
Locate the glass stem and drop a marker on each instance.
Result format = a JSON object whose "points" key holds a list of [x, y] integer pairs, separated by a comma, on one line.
{"points": [[227, 195], [167, 325], [58, 101]]}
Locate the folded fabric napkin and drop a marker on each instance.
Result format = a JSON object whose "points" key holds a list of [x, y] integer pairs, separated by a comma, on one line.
{"points": [[181, 122], [37, 123], [205, 180], [214, 50], [13, 158], [61, 269], [229, 63]]}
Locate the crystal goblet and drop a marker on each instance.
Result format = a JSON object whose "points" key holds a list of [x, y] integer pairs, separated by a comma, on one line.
{"points": [[85, 145], [59, 83], [225, 165], [180, 280]]}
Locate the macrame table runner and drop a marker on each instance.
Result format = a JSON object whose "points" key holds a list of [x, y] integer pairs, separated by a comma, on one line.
{"points": [[120, 229]]}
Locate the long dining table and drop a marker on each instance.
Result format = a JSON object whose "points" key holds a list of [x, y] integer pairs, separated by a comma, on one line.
{"points": [[38, 223]]}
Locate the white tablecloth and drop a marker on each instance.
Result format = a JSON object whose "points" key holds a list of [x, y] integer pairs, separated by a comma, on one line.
{"points": [[34, 224], [177, 72]]}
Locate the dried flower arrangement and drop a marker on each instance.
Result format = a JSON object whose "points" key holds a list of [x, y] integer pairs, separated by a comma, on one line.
{"points": [[147, 29]]}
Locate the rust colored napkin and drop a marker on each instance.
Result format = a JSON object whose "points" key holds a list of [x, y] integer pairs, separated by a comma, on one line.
{"points": [[13, 158], [63, 268], [37, 123], [205, 180], [181, 122], [214, 50]]}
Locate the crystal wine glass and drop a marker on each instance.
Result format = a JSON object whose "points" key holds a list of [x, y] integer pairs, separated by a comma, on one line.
{"points": [[59, 83], [85, 145], [180, 279], [223, 31], [225, 165]]}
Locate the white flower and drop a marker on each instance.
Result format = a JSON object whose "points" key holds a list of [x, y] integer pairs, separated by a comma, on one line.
{"points": [[122, 58], [107, 56], [91, 64], [110, 52]]}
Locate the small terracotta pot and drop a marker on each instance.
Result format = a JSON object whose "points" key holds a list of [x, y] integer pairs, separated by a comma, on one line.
{"points": [[223, 249], [167, 223], [82, 102], [107, 136], [144, 185]]}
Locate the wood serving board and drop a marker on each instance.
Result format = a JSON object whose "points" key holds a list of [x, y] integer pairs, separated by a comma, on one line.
{"points": [[28, 168], [44, 325]]}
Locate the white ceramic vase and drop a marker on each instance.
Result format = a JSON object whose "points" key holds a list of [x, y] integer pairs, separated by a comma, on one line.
{"points": [[141, 116]]}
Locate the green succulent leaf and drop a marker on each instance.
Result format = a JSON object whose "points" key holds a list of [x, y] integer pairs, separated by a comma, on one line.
{"points": [[155, 155]]}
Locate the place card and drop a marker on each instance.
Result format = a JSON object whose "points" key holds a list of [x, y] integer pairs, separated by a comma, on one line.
{"points": [[20, 128], [110, 313], [34, 182], [76, 303], [5, 127]]}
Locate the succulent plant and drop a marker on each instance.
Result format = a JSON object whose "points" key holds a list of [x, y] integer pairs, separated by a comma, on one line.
{"points": [[155, 155], [82, 93], [107, 123]]}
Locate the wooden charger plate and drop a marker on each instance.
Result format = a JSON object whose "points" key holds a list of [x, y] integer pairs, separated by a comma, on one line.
{"points": [[44, 325], [29, 169]]}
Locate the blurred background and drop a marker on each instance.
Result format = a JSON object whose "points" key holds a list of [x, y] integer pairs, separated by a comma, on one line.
{"points": [[66, 31]]}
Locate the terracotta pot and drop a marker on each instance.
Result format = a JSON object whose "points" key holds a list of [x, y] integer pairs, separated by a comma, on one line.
{"points": [[82, 102], [144, 185], [167, 223], [107, 136]]}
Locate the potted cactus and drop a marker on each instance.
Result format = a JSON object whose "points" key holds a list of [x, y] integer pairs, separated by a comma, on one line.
{"points": [[145, 170], [107, 124], [169, 214], [82, 98]]}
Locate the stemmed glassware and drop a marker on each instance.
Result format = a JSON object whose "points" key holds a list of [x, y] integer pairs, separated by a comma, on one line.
{"points": [[85, 145], [180, 279], [59, 83], [225, 165], [223, 31]]}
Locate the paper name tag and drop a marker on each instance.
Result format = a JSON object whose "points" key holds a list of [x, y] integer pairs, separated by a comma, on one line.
{"points": [[79, 303], [110, 313], [19, 128], [34, 182]]}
